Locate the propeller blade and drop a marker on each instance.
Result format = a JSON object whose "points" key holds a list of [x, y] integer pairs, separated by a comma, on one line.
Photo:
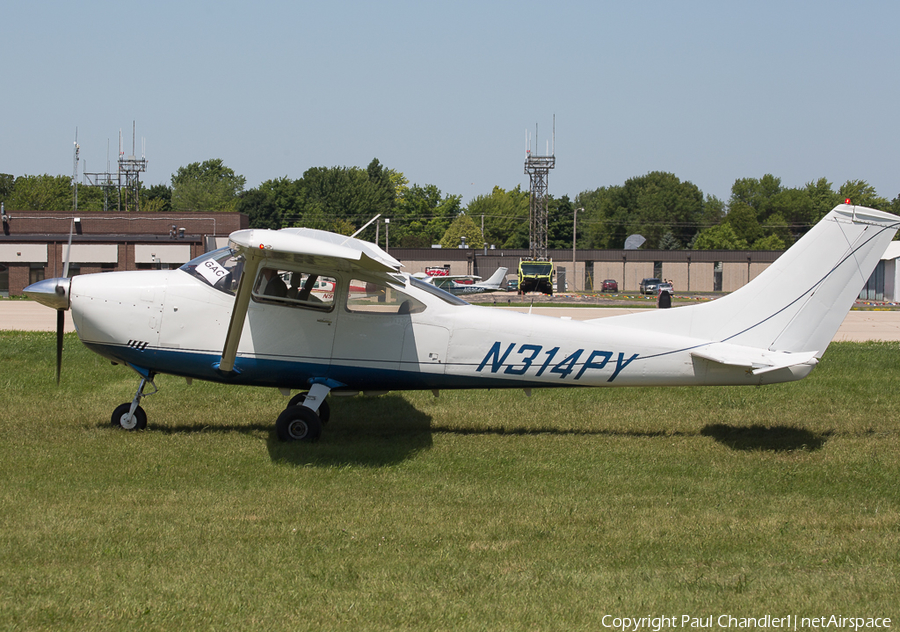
{"points": [[68, 250], [61, 313], [60, 324]]}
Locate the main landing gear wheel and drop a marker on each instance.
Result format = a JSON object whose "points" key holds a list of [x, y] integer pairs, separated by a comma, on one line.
{"points": [[122, 419], [298, 423], [324, 411]]}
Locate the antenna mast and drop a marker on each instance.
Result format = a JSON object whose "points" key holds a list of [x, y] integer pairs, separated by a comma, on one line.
{"points": [[538, 169], [126, 180], [130, 169], [75, 176]]}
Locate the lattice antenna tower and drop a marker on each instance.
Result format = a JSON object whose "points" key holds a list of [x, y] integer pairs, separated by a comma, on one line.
{"points": [[538, 169], [126, 180], [130, 170]]}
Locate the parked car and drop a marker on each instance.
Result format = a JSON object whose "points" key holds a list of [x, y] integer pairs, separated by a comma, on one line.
{"points": [[648, 286], [665, 287], [513, 286], [610, 285]]}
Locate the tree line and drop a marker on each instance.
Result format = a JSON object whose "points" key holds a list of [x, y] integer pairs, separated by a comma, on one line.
{"points": [[761, 214]]}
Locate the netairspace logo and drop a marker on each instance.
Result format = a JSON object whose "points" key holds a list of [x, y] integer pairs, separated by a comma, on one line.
{"points": [[727, 621]]}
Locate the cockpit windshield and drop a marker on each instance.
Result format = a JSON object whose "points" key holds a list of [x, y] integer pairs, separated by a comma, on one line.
{"points": [[220, 268], [537, 269]]}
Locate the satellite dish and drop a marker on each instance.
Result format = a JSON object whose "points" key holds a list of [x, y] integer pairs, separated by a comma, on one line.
{"points": [[634, 242]]}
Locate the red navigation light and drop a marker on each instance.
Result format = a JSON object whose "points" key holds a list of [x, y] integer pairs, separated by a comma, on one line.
{"points": [[847, 201]]}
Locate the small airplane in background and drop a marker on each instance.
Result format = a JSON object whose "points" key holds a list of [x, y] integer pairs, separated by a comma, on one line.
{"points": [[372, 328], [466, 284]]}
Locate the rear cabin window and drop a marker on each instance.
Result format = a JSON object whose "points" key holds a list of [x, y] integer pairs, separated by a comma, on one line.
{"points": [[294, 288], [374, 298]]}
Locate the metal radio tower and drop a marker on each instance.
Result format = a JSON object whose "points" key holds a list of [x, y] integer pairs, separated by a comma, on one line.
{"points": [[126, 181], [538, 169], [130, 170]]}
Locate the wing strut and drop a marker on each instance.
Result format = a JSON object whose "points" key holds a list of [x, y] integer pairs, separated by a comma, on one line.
{"points": [[239, 313]]}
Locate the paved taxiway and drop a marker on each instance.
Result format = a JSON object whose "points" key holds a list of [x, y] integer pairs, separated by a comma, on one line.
{"points": [[857, 326]]}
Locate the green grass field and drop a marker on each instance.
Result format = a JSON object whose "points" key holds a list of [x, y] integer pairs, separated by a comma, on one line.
{"points": [[471, 511]]}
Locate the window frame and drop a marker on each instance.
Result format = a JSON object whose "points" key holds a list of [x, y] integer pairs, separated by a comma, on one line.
{"points": [[288, 301]]}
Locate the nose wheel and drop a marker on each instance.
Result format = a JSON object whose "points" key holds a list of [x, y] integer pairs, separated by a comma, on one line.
{"points": [[130, 415], [124, 418]]}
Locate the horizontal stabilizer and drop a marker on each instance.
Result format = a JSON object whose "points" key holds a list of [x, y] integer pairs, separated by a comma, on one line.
{"points": [[758, 361]]}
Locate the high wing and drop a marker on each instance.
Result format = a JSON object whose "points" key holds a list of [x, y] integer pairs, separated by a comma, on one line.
{"points": [[448, 277], [300, 245]]}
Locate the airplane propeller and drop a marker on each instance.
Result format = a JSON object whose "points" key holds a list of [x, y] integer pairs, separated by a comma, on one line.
{"points": [[55, 293], [60, 312]]}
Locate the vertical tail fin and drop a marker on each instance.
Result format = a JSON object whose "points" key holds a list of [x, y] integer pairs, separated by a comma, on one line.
{"points": [[797, 303], [495, 279]]}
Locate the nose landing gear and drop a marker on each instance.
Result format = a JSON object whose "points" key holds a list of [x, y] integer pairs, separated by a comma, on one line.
{"points": [[130, 416]]}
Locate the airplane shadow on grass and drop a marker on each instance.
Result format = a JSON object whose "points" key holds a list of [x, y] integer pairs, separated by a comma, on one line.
{"points": [[743, 438], [386, 430], [363, 431], [762, 438]]}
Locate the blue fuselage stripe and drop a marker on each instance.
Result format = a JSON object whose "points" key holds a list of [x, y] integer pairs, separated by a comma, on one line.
{"points": [[296, 373]]}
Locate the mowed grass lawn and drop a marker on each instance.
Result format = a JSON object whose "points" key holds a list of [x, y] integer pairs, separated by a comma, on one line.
{"points": [[470, 511]]}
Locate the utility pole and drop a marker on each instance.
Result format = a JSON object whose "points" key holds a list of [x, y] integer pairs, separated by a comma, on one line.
{"points": [[574, 223]]}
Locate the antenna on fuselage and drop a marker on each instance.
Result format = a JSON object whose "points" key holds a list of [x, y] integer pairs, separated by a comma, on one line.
{"points": [[365, 226]]}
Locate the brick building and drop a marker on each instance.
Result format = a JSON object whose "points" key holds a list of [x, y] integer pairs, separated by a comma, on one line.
{"points": [[688, 270], [33, 243]]}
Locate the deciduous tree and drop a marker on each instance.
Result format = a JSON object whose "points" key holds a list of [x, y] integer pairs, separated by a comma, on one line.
{"points": [[422, 215], [721, 237], [206, 186], [463, 227], [505, 217]]}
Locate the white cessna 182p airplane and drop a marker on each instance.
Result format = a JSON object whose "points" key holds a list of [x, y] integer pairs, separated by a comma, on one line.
{"points": [[251, 314]]}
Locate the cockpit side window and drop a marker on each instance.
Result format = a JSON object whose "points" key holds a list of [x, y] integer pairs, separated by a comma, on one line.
{"points": [[220, 268], [295, 288], [375, 298]]}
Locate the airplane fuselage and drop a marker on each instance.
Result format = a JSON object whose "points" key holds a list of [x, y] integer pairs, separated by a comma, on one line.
{"points": [[171, 322]]}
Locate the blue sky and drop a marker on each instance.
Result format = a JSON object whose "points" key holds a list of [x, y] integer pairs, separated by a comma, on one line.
{"points": [[446, 91]]}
